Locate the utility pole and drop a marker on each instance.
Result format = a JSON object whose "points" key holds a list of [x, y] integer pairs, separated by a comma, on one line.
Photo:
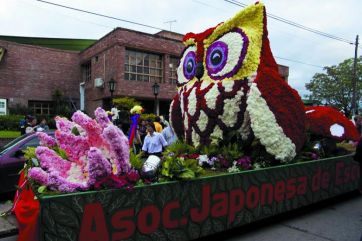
{"points": [[354, 80]]}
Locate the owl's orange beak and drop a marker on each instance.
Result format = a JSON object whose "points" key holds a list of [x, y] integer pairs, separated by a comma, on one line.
{"points": [[199, 70]]}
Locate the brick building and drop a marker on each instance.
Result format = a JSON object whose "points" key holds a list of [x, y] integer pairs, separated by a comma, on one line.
{"points": [[33, 69]]}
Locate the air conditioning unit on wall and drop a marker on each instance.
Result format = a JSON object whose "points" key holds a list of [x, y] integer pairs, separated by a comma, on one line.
{"points": [[99, 83]]}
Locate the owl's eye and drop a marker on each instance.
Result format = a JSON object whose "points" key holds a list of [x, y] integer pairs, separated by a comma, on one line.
{"points": [[190, 65], [187, 68], [225, 56], [216, 56]]}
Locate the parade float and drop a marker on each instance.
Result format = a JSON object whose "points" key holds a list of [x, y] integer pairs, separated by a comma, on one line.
{"points": [[248, 149]]}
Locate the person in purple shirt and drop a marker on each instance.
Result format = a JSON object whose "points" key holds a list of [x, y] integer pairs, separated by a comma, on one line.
{"points": [[154, 142]]}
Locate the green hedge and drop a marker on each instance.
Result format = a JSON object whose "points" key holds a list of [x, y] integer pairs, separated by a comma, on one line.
{"points": [[10, 122]]}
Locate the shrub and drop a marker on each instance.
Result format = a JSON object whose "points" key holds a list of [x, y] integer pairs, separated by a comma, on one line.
{"points": [[147, 116], [10, 122]]}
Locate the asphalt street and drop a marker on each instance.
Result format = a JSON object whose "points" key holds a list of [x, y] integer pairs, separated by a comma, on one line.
{"points": [[337, 219]]}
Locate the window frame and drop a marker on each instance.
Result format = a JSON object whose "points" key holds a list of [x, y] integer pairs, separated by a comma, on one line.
{"points": [[143, 66]]}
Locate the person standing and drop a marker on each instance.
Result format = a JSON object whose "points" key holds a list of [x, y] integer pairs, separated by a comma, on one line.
{"points": [[169, 135], [142, 128], [31, 125], [43, 125], [22, 125], [154, 142], [158, 126]]}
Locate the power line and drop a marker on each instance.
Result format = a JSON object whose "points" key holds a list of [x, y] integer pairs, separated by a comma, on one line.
{"points": [[296, 24], [101, 15], [299, 62], [149, 26]]}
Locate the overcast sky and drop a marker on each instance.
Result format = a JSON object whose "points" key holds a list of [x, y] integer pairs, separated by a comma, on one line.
{"points": [[335, 17]]}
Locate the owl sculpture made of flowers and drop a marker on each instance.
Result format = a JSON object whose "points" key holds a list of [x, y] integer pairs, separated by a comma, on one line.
{"points": [[228, 81]]}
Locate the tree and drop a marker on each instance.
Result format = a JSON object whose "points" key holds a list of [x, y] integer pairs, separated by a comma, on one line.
{"points": [[334, 88]]}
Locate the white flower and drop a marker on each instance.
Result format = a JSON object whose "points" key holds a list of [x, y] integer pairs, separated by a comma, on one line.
{"points": [[231, 109], [256, 166], [233, 168], [203, 159], [266, 128], [202, 121]]}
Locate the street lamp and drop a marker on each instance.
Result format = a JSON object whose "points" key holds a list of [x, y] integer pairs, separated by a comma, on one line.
{"points": [[112, 87], [156, 90]]}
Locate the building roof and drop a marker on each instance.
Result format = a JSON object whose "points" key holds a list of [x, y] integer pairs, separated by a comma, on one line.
{"points": [[56, 43]]}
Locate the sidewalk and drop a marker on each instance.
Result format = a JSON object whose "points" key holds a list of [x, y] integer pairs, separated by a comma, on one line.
{"points": [[7, 224]]}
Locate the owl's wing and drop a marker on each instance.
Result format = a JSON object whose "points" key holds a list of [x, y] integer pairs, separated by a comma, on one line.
{"points": [[277, 115], [176, 117], [329, 122]]}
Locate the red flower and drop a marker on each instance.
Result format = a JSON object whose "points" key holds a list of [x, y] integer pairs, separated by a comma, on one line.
{"points": [[329, 122]]}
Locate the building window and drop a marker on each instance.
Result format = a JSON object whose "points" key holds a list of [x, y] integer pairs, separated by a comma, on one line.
{"points": [[2, 104], [87, 71], [140, 66], [174, 62], [41, 107]]}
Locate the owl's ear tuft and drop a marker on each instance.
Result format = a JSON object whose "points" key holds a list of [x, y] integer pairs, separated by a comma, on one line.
{"points": [[251, 22]]}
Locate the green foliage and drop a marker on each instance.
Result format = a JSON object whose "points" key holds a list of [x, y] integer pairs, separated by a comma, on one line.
{"points": [[125, 103], [10, 122], [180, 168], [347, 146], [61, 105], [210, 150], [180, 148], [31, 159], [231, 152], [29, 153], [334, 87], [135, 160], [61, 153], [42, 189], [148, 116]]}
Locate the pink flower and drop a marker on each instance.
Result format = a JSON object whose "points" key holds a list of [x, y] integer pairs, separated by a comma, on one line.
{"points": [[74, 146], [100, 149], [50, 161], [102, 117], [92, 128], [46, 140], [63, 124]]}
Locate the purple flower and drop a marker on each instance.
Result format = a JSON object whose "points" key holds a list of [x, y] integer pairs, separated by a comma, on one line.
{"points": [[63, 185], [102, 117], [314, 156], [39, 175], [46, 140], [50, 161], [244, 162], [223, 162], [99, 167], [119, 147]]}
